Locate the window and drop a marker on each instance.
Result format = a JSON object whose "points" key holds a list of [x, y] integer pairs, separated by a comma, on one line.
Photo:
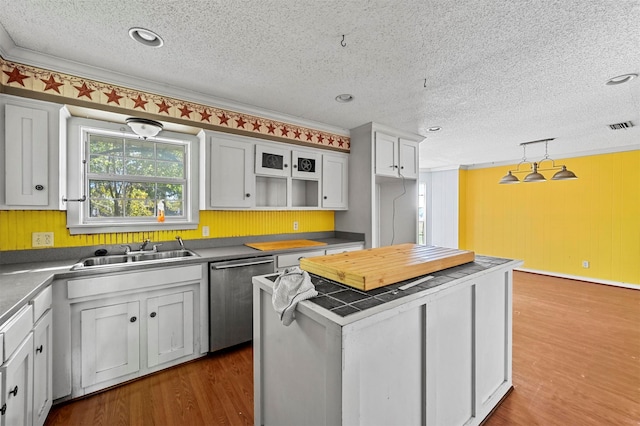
{"points": [[130, 183], [132, 178]]}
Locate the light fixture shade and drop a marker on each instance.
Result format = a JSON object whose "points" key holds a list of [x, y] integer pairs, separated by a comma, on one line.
{"points": [[534, 176], [509, 178], [564, 174], [144, 127]]}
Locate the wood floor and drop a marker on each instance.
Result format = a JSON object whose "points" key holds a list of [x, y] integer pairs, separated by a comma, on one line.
{"points": [[576, 361]]}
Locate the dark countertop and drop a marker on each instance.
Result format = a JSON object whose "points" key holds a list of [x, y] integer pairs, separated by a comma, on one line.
{"points": [[20, 282]]}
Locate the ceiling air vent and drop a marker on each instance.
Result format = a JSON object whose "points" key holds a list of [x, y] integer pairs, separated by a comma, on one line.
{"points": [[620, 126]]}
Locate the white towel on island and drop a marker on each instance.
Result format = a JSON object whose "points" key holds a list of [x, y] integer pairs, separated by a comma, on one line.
{"points": [[292, 286]]}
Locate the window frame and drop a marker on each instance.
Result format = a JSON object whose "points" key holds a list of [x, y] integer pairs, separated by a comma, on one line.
{"points": [[79, 220]]}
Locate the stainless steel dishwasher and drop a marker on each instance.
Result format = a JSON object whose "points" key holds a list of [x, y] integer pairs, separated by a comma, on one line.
{"points": [[231, 299]]}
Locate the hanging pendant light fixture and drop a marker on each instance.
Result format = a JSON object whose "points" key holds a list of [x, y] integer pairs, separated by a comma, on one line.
{"points": [[536, 167], [143, 127], [564, 174], [534, 176]]}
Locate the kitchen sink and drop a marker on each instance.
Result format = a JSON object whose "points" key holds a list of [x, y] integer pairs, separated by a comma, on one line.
{"points": [[132, 258]]}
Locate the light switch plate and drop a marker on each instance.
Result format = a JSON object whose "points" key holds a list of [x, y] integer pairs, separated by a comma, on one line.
{"points": [[205, 231], [42, 239]]}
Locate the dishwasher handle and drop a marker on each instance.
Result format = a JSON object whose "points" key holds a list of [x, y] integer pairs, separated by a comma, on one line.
{"points": [[241, 263]]}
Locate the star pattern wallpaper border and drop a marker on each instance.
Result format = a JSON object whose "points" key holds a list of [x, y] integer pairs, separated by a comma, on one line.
{"points": [[101, 95]]}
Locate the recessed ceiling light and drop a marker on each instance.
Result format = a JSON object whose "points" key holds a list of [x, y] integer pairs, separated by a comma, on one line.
{"points": [[434, 129], [345, 97], [146, 37], [621, 79]]}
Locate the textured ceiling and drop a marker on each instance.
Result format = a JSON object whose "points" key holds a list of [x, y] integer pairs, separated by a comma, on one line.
{"points": [[491, 74]]}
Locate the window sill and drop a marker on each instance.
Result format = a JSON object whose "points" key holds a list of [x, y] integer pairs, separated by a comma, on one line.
{"points": [[107, 228]]}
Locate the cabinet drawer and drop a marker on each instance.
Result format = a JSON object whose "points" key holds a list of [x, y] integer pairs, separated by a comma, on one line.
{"points": [[14, 331], [41, 303], [104, 284], [343, 249], [293, 259]]}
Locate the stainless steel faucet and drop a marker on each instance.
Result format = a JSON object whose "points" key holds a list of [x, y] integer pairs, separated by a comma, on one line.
{"points": [[180, 242], [144, 244]]}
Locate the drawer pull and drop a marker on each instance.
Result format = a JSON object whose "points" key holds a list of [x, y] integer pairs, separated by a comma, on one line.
{"points": [[39, 349], [14, 392], [152, 315], [133, 319]]}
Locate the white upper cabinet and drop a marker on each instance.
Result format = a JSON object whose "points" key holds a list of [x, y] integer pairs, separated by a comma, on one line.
{"points": [[231, 172], [305, 164], [395, 157], [273, 160], [247, 173], [386, 155], [335, 174], [409, 156], [33, 153]]}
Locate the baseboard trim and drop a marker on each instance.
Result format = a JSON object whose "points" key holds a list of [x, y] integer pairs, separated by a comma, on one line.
{"points": [[579, 278]]}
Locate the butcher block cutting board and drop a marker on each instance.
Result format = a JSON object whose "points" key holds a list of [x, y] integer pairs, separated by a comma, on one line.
{"points": [[282, 245], [377, 267]]}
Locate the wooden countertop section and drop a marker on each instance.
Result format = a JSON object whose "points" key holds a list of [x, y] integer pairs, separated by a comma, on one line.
{"points": [[373, 268], [282, 245]]}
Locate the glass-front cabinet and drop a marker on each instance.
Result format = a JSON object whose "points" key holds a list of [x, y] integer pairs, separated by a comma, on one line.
{"points": [[255, 174]]}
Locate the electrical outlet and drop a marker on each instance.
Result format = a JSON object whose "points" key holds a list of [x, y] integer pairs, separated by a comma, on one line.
{"points": [[205, 231], [42, 239], [585, 264], [295, 226]]}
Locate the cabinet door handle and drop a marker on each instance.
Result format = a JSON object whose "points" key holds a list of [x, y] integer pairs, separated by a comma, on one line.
{"points": [[3, 409], [39, 349], [133, 319], [153, 314], [295, 166], [14, 392], [286, 165], [39, 187], [247, 195], [402, 167], [325, 197]]}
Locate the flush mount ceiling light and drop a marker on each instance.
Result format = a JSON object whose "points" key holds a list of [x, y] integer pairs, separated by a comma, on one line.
{"points": [[344, 98], [143, 127], [146, 37], [434, 129], [621, 79], [535, 175]]}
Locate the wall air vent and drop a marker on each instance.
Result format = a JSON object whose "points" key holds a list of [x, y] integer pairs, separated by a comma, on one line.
{"points": [[620, 126]]}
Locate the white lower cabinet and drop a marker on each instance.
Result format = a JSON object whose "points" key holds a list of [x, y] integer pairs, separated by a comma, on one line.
{"points": [[42, 364], [169, 327], [112, 328], [110, 342], [18, 385], [26, 368]]}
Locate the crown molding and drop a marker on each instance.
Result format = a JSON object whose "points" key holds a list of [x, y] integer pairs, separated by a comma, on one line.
{"points": [[10, 52], [612, 150]]}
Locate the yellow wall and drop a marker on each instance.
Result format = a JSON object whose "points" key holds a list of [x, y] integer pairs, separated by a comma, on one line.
{"points": [[555, 225], [16, 227]]}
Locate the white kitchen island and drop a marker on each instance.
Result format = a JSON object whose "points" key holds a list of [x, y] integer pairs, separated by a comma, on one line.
{"points": [[438, 353]]}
